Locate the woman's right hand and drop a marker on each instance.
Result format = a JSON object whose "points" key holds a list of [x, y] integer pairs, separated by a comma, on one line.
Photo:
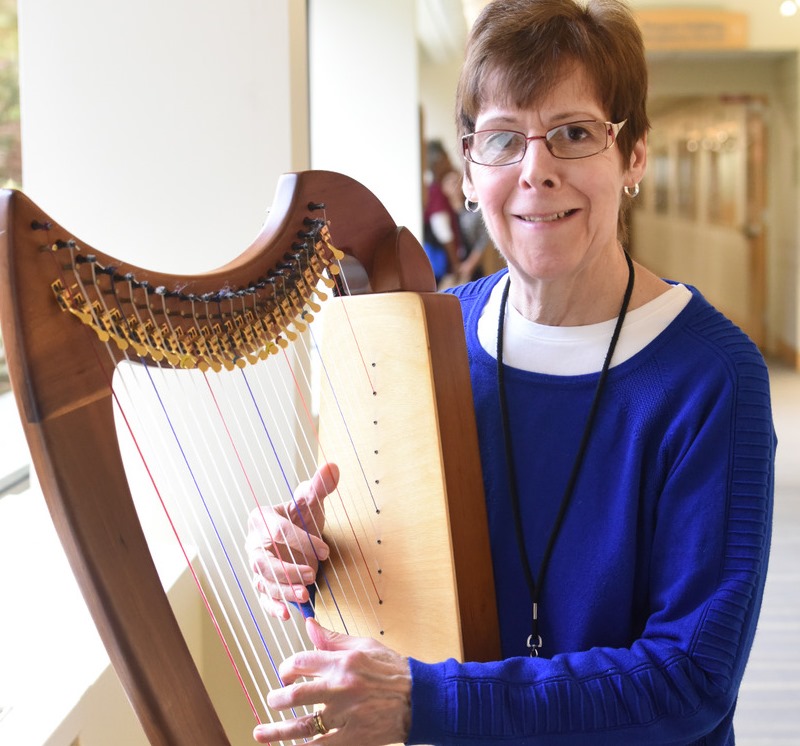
{"points": [[284, 543]]}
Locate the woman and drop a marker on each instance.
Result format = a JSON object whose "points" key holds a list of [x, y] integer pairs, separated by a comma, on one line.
{"points": [[442, 235], [641, 495]]}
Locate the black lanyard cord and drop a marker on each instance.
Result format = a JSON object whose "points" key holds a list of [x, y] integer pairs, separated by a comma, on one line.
{"points": [[535, 586]]}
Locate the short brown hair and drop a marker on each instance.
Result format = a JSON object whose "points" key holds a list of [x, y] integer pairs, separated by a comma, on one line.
{"points": [[524, 47]]}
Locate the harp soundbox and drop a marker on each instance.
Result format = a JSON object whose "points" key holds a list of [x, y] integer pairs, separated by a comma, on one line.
{"points": [[395, 411]]}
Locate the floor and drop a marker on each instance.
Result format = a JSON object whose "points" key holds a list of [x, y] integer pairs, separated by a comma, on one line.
{"points": [[769, 701]]}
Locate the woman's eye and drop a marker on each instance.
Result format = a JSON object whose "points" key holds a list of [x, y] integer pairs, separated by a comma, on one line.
{"points": [[501, 141], [576, 133]]}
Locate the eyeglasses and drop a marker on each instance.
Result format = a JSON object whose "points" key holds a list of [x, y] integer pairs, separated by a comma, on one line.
{"points": [[567, 141]]}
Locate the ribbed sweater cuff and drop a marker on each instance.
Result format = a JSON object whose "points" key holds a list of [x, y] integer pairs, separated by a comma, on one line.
{"points": [[428, 706]]}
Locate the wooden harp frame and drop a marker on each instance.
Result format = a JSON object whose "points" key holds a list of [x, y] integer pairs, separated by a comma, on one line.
{"points": [[62, 388]]}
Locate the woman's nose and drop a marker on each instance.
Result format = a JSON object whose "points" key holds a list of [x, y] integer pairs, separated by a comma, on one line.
{"points": [[538, 165]]}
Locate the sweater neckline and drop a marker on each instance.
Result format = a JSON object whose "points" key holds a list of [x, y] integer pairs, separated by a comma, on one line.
{"points": [[574, 350]]}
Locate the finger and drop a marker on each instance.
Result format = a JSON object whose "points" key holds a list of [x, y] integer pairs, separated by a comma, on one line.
{"points": [[327, 639], [310, 495], [301, 728], [281, 593], [274, 608], [276, 572], [325, 480], [287, 542], [303, 544], [259, 518], [298, 694], [267, 525], [311, 664]]}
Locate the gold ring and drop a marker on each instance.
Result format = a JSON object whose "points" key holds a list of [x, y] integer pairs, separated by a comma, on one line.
{"points": [[319, 726]]}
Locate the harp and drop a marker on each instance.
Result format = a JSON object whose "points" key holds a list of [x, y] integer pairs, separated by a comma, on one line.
{"points": [[73, 317]]}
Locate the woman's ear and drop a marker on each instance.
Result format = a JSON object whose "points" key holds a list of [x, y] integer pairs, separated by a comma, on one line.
{"points": [[638, 162]]}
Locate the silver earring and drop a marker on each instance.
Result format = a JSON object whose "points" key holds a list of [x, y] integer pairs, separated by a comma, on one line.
{"points": [[471, 206], [631, 191]]}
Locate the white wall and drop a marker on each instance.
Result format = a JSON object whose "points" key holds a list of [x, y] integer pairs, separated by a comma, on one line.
{"points": [[156, 130], [364, 81]]}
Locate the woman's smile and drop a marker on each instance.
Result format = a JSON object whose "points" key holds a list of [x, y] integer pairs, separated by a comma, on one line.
{"points": [[546, 218]]}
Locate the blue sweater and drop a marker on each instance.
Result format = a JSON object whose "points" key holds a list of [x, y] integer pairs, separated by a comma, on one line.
{"points": [[649, 605]]}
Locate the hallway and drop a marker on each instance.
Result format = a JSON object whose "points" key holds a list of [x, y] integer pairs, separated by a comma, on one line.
{"points": [[769, 701]]}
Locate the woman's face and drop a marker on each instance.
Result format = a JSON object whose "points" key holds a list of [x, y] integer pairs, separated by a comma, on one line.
{"points": [[549, 217]]}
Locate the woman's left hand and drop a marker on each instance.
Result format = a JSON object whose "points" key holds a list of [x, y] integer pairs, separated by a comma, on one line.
{"points": [[363, 690]]}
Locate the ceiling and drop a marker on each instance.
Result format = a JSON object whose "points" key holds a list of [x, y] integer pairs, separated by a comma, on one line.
{"points": [[442, 27]]}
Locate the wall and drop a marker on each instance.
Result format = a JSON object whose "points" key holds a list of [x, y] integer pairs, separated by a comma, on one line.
{"points": [[364, 83], [437, 99], [152, 129]]}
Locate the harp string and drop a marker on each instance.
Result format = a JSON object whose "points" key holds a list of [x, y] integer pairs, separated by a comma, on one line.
{"points": [[336, 269], [358, 349], [271, 439], [254, 496], [181, 538], [353, 531], [299, 388], [224, 514], [217, 577], [259, 412], [280, 399], [225, 640], [303, 527], [342, 502], [151, 476], [214, 578], [149, 471], [341, 411]]}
